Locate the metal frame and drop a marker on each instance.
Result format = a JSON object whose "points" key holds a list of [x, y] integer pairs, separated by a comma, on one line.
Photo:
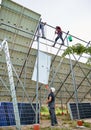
{"points": [[54, 72], [4, 47]]}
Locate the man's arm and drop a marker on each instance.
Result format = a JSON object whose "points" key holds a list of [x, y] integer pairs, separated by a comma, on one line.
{"points": [[49, 100]]}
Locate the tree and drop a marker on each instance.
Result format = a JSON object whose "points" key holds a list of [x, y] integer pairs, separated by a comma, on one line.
{"points": [[78, 49]]}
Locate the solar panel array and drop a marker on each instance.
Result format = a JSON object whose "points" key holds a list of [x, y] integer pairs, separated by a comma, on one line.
{"points": [[26, 113], [84, 110]]}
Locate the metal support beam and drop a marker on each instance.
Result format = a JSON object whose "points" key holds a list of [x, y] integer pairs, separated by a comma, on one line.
{"points": [[74, 85], [4, 46], [37, 75]]}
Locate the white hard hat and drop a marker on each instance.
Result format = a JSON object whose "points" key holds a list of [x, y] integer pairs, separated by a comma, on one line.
{"points": [[52, 89]]}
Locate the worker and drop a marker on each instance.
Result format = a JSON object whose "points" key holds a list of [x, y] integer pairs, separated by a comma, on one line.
{"points": [[41, 27], [51, 106], [59, 33]]}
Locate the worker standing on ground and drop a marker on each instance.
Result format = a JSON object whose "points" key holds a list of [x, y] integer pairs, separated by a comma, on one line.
{"points": [[58, 31], [51, 106]]}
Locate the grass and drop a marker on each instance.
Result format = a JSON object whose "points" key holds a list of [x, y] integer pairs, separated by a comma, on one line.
{"points": [[51, 128], [86, 124], [44, 111], [64, 117]]}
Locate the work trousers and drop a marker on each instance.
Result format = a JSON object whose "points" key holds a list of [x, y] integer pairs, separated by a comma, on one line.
{"points": [[53, 116], [59, 36]]}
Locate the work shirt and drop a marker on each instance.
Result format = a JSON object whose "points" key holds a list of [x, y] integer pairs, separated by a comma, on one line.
{"points": [[51, 104]]}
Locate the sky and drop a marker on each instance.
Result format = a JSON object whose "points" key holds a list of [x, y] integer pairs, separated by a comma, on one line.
{"points": [[70, 15]]}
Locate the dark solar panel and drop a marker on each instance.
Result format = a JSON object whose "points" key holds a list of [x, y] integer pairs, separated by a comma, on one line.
{"points": [[84, 110], [26, 113]]}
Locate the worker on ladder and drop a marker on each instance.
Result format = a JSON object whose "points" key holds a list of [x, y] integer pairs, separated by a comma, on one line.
{"points": [[59, 33]]}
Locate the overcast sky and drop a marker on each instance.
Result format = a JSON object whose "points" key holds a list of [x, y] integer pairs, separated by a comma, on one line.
{"points": [[72, 15]]}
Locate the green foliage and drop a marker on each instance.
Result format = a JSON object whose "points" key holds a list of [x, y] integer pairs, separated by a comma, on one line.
{"points": [[89, 61], [77, 49], [89, 50], [44, 109], [58, 111], [67, 51], [45, 112], [86, 124]]}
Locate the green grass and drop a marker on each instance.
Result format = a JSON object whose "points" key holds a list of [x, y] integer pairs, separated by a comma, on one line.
{"points": [[63, 116], [86, 124], [44, 111], [52, 128]]}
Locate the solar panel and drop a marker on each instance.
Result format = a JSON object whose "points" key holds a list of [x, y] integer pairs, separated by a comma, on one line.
{"points": [[84, 110], [26, 113]]}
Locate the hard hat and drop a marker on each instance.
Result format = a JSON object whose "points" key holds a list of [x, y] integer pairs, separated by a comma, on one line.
{"points": [[52, 89]]}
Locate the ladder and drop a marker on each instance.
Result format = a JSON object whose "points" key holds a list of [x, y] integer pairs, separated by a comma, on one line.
{"points": [[4, 47]]}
